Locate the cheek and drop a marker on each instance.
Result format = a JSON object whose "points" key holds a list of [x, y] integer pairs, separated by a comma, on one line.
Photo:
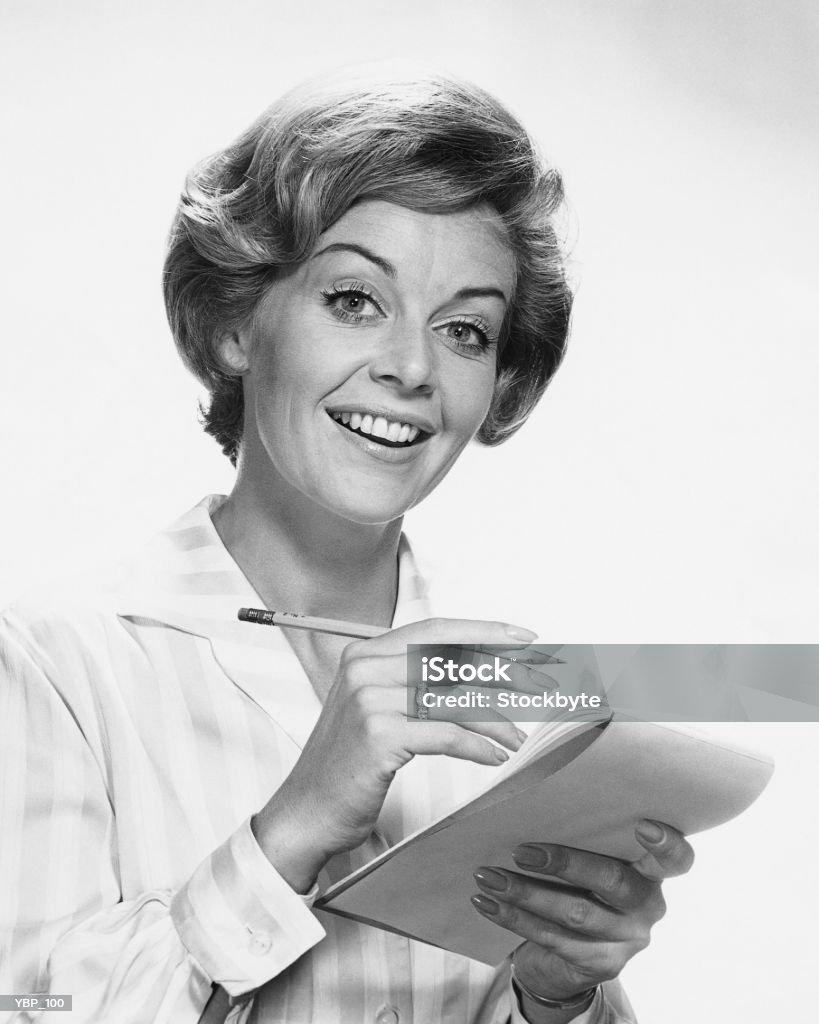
{"points": [[471, 398], [271, 394], [304, 356], [280, 377]]}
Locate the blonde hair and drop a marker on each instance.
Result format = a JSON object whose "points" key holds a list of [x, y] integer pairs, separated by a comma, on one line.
{"points": [[430, 143]]}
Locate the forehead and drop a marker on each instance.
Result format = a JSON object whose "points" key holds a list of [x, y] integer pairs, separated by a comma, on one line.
{"points": [[466, 248]]}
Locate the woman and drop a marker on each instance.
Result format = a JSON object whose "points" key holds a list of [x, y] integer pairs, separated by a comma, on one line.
{"points": [[366, 280]]}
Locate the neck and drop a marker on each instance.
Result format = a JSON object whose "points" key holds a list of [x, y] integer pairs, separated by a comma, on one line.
{"points": [[305, 559]]}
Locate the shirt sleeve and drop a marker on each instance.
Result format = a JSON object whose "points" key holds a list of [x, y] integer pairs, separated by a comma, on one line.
{"points": [[64, 928], [609, 1006], [239, 919]]}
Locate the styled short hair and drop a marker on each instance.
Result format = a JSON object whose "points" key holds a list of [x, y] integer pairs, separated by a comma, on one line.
{"points": [[430, 143]]}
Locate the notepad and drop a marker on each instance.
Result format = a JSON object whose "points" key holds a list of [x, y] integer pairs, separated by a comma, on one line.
{"points": [[584, 784]]}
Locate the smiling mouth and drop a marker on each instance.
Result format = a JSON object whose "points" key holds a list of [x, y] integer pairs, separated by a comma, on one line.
{"points": [[390, 433]]}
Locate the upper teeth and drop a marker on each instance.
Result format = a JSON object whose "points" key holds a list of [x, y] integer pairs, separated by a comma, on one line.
{"points": [[378, 426]]}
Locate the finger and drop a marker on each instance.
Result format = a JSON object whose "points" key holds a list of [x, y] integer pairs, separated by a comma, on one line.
{"points": [[495, 726], [452, 740], [612, 881], [502, 660], [525, 655], [463, 699], [447, 631], [501, 732], [510, 672], [573, 909], [668, 851], [522, 678], [360, 663], [447, 664], [529, 679], [588, 959]]}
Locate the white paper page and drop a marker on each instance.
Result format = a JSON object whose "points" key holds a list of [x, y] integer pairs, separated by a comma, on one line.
{"points": [[632, 771]]}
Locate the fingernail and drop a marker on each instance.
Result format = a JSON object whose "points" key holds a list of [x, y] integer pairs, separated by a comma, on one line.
{"points": [[519, 633], [521, 735], [501, 755], [494, 880], [651, 832], [531, 856], [485, 905], [514, 744]]}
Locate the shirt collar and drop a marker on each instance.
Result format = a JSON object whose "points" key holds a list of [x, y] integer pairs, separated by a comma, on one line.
{"points": [[187, 579]]}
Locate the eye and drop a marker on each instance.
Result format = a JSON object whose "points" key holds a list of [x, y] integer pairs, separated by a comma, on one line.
{"points": [[468, 335], [352, 303]]}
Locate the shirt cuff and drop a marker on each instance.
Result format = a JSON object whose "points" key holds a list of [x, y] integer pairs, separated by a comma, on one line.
{"points": [[240, 920], [588, 1016], [309, 898]]}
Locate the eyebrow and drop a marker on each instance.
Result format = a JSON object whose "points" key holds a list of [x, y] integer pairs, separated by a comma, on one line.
{"points": [[477, 293], [368, 254], [391, 272]]}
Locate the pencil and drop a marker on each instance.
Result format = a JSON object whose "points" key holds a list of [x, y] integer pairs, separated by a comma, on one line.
{"points": [[359, 630]]}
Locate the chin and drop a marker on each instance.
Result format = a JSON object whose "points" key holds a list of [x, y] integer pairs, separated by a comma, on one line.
{"points": [[371, 514], [367, 506]]}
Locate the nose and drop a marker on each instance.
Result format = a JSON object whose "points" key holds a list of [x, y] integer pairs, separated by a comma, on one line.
{"points": [[404, 360]]}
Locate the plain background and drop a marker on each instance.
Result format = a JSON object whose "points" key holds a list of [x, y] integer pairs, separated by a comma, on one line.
{"points": [[665, 490]]}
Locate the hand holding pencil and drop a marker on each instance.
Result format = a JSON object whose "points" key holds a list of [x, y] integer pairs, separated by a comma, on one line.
{"points": [[331, 800]]}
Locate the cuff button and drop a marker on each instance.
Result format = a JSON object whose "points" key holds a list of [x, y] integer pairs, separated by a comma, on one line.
{"points": [[260, 943], [387, 1015]]}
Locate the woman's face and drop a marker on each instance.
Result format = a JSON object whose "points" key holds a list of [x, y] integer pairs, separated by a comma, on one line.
{"points": [[372, 364]]}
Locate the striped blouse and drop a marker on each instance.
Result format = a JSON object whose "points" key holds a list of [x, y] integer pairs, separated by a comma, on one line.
{"points": [[142, 727]]}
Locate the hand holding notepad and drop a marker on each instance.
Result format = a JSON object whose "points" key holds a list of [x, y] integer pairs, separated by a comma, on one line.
{"points": [[582, 916], [583, 785], [578, 784]]}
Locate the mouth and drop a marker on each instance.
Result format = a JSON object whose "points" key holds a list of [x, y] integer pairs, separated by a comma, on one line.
{"points": [[388, 432]]}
